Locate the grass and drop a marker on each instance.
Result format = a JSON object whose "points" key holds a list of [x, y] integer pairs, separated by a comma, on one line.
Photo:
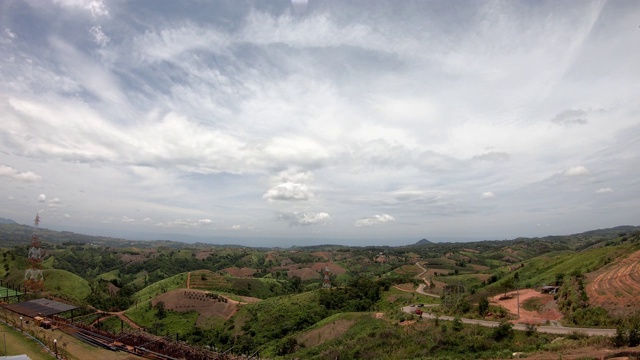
{"points": [[114, 324], [533, 304], [17, 344], [173, 322], [175, 282], [66, 285], [393, 299], [6, 292], [111, 275]]}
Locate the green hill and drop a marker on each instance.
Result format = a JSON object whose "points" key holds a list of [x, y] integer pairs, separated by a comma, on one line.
{"points": [[65, 285]]}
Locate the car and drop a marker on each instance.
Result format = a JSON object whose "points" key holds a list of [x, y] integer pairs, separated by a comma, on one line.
{"points": [[413, 305], [420, 305], [418, 312]]}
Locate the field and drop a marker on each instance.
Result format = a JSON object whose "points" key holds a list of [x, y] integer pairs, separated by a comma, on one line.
{"points": [[17, 343], [206, 305], [616, 287], [6, 292]]}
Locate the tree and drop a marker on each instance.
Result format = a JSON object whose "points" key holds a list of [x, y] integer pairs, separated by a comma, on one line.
{"points": [[634, 336], [159, 306], [457, 324], [502, 332], [620, 339], [483, 306]]}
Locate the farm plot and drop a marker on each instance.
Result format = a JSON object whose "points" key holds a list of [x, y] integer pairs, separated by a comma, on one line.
{"points": [[616, 287]]}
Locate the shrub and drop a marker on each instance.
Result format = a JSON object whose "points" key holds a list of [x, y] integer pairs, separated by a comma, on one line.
{"points": [[502, 332]]}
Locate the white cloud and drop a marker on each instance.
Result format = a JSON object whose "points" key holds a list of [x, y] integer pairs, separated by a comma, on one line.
{"points": [[577, 171], [66, 216], [289, 191], [54, 203], [606, 190], [185, 119], [99, 36], [95, 7], [127, 219], [42, 198], [205, 222], [374, 220], [571, 117], [305, 218], [488, 195], [12, 173]]}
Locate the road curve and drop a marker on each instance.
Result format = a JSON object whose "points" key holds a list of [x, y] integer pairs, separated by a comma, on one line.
{"points": [[420, 290], [560, 330]]}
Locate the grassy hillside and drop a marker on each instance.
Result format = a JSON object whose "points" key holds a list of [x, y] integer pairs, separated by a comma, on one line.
{"points": [[162, 286], [65, 285]]}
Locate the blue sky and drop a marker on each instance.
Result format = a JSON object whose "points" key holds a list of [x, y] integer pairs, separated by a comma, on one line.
{"points": [[379, 122]]}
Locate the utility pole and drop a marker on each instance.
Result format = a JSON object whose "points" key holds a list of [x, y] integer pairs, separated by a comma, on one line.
{"points": [[517, 278]]}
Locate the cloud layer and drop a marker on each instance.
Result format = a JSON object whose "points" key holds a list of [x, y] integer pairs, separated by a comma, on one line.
{"points": [[480, 119]]}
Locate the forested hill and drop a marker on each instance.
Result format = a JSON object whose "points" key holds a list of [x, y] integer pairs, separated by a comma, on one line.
{"points": [[12, 234], [6, 221]]}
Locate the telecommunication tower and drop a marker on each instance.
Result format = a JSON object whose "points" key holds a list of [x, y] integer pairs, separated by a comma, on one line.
{"points": [[33, 278], [326, 282]]}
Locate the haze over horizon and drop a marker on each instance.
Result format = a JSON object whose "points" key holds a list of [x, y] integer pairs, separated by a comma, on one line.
{"points": [[332, 120]]}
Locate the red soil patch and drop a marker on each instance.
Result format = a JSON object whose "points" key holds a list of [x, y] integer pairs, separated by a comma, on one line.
{"points": [[201, 255], [616, 287], [240, 272], [304, 274], [408, 269], [322, 254], [130, 258], [113, 290], [270, 256], [478, 267], [249, 300], [325, 333], [335, 268], [184, 300], [549, 310]]}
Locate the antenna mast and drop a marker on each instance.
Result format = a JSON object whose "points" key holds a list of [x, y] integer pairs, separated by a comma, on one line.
{"points": [[33, 278]]}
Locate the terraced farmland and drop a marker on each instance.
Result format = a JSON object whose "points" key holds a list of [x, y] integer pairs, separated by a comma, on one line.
{"points": [[616, 287]]}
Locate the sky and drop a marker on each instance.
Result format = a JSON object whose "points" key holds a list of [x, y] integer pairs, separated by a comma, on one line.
{"points": [[305, 122]]}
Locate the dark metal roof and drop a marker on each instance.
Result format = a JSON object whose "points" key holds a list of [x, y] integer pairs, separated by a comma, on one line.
{"points": [[42, 307]]}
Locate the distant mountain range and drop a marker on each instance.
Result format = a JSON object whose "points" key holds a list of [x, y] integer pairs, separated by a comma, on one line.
{"points": [[7, 221]]}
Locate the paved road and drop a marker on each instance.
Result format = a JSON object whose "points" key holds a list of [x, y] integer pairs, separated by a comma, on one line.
{"points": [[420, 289], [561, 330]]}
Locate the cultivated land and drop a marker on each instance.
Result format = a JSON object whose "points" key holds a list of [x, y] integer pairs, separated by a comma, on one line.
{"points": [[272, 301], [617, 286]]}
